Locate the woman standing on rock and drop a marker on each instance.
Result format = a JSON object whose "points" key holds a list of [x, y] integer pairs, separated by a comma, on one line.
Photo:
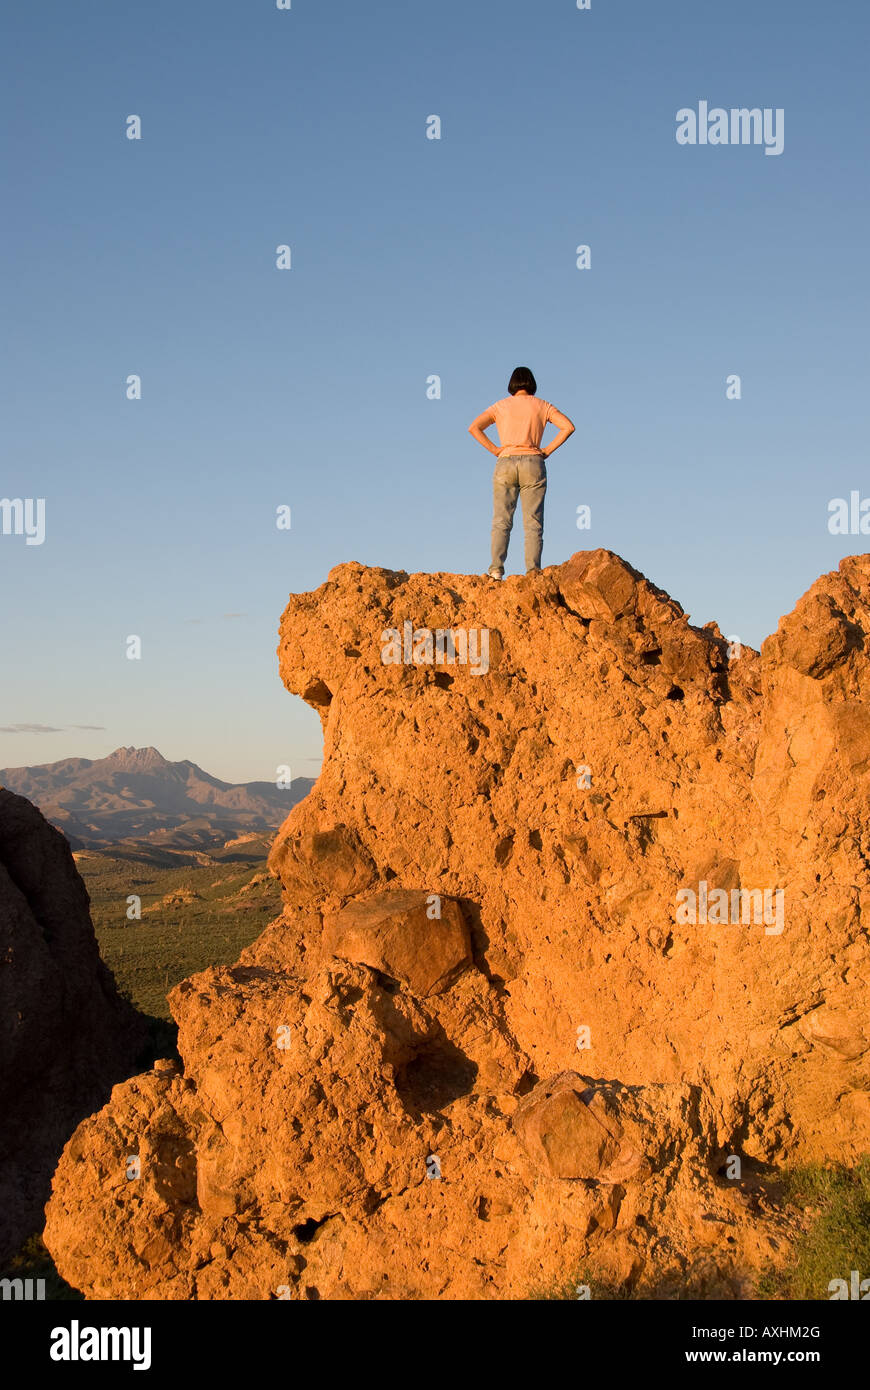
{"points": [[520, 472]]}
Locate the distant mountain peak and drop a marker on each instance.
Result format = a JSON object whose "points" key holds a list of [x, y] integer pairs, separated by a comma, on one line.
{"points": [[137, 758], [135, 795]]}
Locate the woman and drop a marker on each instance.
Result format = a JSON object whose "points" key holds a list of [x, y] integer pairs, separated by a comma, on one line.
{"points": [[520, 472]]}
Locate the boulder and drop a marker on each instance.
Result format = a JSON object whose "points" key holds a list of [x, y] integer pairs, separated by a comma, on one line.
{"points": [[568, 1136], [322, 863], [396, 932]]}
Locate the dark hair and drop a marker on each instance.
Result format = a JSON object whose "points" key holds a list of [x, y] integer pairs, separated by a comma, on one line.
{"points": [[522, 379]]}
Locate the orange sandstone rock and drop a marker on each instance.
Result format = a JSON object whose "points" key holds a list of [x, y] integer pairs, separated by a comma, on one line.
{"points": [[417, 937], [600, 757]]}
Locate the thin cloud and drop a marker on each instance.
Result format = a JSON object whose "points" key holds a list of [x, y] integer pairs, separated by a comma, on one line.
{"points": [[48, 728], [29, 729]]}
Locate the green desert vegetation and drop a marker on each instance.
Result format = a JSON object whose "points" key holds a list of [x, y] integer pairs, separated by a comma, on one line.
{"points": [[193, 914], [834, 1203]]}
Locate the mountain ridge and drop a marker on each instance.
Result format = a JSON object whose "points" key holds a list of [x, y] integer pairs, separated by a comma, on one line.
{"points": [[136, 794]]}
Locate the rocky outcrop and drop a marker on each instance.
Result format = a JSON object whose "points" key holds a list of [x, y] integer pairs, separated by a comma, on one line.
{"points": [[65, 1034], [575, 932]]}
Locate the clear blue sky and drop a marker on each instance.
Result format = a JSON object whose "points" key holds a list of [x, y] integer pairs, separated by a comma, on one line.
{"points": [[411, 257]]}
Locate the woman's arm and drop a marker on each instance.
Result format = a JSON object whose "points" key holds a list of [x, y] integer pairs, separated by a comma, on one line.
{"points": [[563, 425], [477, 427]]}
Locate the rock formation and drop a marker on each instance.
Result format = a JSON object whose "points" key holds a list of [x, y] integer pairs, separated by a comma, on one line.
{"points": [[65, 1033], [575, 917]]}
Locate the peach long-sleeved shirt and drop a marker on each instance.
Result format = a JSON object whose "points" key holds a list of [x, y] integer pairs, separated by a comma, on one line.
{"points": [[520, 422]]}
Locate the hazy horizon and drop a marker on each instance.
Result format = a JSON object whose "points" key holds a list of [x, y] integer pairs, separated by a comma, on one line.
{"points": [[122, 748]]}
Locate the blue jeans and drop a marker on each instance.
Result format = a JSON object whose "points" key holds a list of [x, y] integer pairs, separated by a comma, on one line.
{"points": [[518, 476]]}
